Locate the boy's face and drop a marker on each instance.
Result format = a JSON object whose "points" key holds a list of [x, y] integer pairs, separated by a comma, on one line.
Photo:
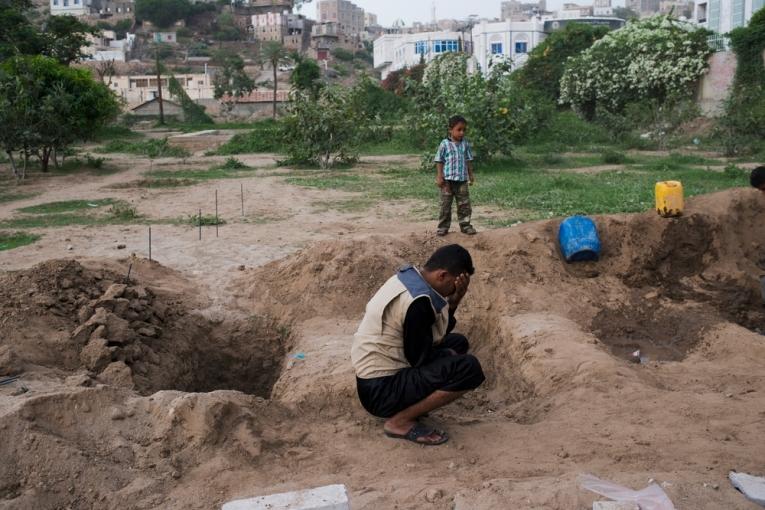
{"points": [[458, 131]]}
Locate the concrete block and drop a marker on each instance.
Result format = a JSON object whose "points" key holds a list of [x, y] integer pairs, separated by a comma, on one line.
{"points": [[614, 505], [330, 497], [753, 487]]}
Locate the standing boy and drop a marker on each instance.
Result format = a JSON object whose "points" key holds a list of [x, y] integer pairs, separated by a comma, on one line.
{"points": [[454, 164]]}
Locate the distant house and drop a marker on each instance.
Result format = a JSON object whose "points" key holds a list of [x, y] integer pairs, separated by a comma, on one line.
{"points": [[165, 37], [150, 108]]}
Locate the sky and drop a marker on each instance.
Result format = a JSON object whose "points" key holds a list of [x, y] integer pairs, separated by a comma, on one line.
{"points": [[389, 11]]}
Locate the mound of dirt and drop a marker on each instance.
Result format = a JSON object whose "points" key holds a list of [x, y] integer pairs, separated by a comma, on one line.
{"points": [[64, 317]]}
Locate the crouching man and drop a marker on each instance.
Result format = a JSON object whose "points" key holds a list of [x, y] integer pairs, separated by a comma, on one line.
{"points": [[407, 360]]}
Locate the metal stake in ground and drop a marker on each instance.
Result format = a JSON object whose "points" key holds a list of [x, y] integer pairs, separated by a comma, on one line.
{"points": [[127, 278], [216, 213], [242, 186], [149, 243], [200, 224]]}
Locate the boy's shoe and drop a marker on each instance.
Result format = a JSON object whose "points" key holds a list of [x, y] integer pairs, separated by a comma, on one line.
{"points": [[442, 232], [469, 230]]}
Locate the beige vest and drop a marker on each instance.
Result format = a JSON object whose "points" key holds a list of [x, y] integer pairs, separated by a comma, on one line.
{"points": [[378, 345]]}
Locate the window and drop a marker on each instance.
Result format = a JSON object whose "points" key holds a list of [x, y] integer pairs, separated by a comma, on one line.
{"points": [[55, 2], [66, 3], [445, 46], [496, 48], [737, 13], [76, 2], [713, 15], [421, 47], [521, 47]]}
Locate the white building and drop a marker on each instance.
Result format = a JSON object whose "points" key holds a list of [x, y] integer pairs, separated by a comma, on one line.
{"points": [[137, 89], [514, 39], [602, 8], [722, 16], [108, 47], [393, 52], [70, 7]]}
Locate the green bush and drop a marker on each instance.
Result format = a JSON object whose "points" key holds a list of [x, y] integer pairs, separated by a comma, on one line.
{"points": [[154, 148], [123, 211], [611, 157], [233, 164], [266, 136], [342, 54]]}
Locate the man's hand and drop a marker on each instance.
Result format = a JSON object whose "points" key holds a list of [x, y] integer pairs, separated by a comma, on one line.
{"points": [[440, 182], [461, 285], [472, 178]]}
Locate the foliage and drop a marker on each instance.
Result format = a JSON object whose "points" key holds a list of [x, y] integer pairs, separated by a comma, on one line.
{"points": [[266, 136], [656, 58], [61, 37], [742, 127], [626, 13], [379, 104], [307, 75], [231, 82], [342, 54], [192, 111], [45, 107], [546, 63], [396, 81], [276, 54], [204, 220], [324, 130], [365, 56], [226, 29], [153, 148], [612, 157], [162, 13], [499, 112], [233, 164]]}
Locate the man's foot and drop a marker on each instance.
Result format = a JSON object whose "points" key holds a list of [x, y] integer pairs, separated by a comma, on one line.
{"points": [[442, 232], [420, 434], [469, 230]]}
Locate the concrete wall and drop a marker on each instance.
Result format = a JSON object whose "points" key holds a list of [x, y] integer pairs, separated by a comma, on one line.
{"points": [[715, 85]]}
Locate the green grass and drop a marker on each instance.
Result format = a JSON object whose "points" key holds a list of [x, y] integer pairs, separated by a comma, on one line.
{"points": [[11, 240], [222, 126], [66, 206], [154, 148], [528, 193], [11, 195], [206, 220], [265, 136], [116, 132], [155, 183], [76, 212], [231, 169]]}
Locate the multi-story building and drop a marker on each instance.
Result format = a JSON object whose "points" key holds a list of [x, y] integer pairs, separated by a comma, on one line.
{"points": [[575, 11], [263, 6], [644, 7], [678, 8], [70, 7], [292, 30], [348, 16], [325, 37], [520, 11], [602, 8], [106, 46], [514, 39], [722, 16], [393, 52], [370, 20]]}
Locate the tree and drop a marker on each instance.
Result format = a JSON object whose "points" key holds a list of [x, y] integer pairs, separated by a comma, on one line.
{"points": [[162, 13], [65, 37], [61, 37], [276, 54], [46, 106], [307, 74], [226, 29], [547, 61], [231, 83], [656, 59]]}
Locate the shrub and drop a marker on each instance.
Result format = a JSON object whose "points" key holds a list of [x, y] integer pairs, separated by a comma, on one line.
{"points": [[266, 136], [123, 211], [342, 54], [611, 157], [233, 164]]}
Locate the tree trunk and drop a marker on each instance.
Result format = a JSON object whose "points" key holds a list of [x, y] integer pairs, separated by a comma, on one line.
{"points": [[276, 85], [45, 158], [159, 91], [55, 158], [13, 165]]}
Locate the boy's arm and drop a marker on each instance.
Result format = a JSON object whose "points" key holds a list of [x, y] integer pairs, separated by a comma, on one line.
{"points": [[471, 175], [440, 182]]}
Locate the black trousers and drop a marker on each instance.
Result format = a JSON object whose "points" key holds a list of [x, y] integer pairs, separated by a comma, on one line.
{"points": [[386, 396]]}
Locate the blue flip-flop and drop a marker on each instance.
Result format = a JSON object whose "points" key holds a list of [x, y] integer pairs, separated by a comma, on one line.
{"points": [[417, 431]]}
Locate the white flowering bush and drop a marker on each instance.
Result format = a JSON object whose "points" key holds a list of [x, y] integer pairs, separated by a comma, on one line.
{"points": [[498, 111], [658, 58]]}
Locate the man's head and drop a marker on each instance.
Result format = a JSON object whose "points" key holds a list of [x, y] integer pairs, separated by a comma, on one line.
{"points": [[445, 265], [757, 178]]}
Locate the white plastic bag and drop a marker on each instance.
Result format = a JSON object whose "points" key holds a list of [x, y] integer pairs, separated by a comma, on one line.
{"points": [[652, 497]]}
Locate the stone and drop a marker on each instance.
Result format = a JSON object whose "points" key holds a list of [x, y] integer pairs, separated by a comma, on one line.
{"points": [[99, 332], [118, 330], [118, 374], [78, 380], [614, 505], [753, 487], [136, 292], [115, 290], [147, 331], [121, 246], [431, 495], [84, 313], [330, 497], [96, 355], [9, 362]]}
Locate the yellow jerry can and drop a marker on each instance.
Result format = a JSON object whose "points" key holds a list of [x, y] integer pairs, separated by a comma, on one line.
{"points": [[669, 198]]}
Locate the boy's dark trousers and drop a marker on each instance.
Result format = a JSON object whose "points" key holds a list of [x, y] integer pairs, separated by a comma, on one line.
{"points": [[460, 191]]}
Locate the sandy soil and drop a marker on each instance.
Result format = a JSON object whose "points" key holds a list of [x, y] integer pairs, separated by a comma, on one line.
{"points": [[182, 388]]}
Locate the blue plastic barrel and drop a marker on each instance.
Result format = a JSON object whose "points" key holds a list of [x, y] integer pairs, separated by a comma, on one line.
{"points": [[578, 238]]}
